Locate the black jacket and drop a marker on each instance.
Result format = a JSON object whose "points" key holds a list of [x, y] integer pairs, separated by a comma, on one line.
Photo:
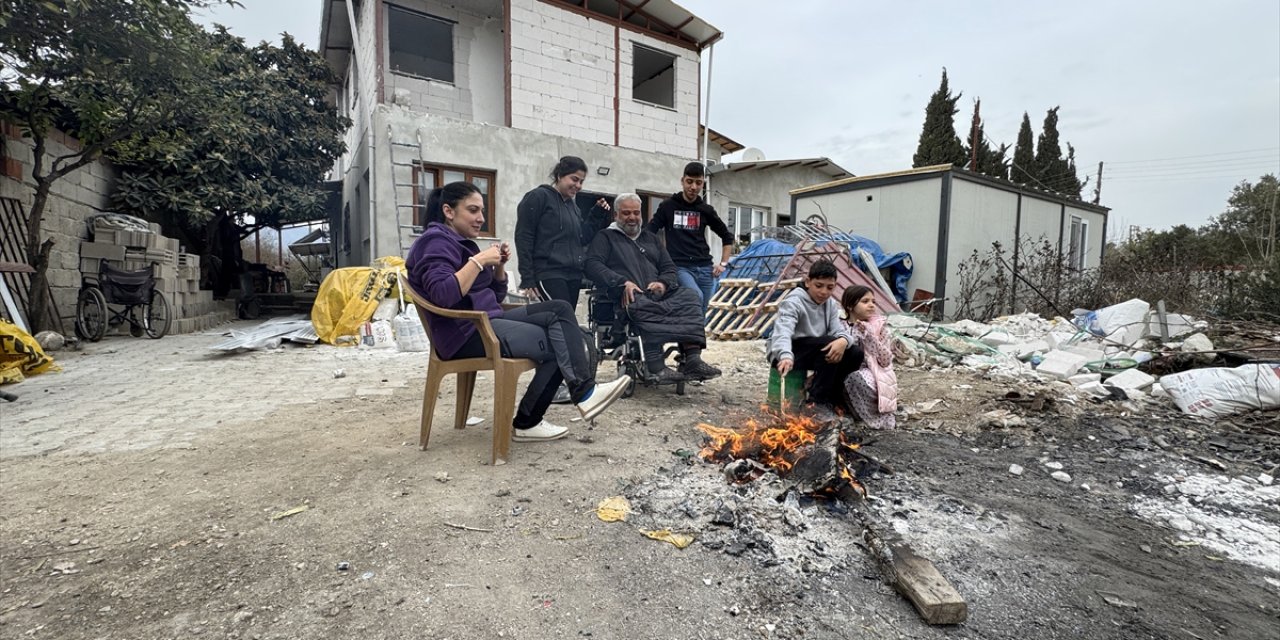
{"points": [[550, 235], [686, 224], [613, 259]]}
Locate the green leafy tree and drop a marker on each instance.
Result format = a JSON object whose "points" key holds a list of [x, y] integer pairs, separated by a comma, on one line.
{"points": [[108, 72], [258, 147], [939, 143], [1246, 233], [1023, 168]]}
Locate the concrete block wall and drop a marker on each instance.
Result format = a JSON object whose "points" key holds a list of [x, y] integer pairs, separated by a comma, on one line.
{"points": [[75, 197], [649, 127], [476, 91], [561, 72]]}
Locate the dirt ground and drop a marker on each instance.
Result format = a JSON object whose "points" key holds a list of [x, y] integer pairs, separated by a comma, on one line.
{"points": [[140, 485]]}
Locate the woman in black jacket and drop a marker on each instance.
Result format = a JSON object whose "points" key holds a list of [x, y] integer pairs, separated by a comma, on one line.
{"points": [[550, 234]]}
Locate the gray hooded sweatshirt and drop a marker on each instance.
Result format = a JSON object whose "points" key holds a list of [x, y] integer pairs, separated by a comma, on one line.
{"points": [[800, 317]]}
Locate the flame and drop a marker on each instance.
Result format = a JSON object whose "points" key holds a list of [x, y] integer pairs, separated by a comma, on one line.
{"points": [[774, 443], [777, 441]]}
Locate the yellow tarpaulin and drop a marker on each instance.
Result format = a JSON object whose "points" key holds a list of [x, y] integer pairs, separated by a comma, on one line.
{"points": [[21, 355], [348, 297]]}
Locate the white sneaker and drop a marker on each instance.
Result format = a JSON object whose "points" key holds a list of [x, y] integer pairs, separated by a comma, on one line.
{"points": [[543, 431], [603, 396]]}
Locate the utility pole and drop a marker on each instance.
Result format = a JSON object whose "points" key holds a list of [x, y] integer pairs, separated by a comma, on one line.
{"points": [[1097, 187], [973, 137]]}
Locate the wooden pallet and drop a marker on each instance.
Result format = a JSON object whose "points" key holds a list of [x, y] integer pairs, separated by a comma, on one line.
{"points": [[745, 308]]}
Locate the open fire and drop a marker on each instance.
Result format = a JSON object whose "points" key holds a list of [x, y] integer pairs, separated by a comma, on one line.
{"points": [[818, 458]]}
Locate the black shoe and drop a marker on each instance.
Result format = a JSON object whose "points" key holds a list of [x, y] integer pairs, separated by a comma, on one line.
{"points": [[695, 368], [667, 376]]}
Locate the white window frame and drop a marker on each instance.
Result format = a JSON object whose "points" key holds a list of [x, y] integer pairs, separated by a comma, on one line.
{"points": [[1079, 245]]}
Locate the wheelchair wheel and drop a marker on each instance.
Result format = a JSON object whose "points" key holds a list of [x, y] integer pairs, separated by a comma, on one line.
{"points": [[91, 314], [156, 316]]}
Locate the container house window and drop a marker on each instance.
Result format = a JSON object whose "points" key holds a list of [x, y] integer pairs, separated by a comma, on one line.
{"points": [[421, 45], [1079, 242]]}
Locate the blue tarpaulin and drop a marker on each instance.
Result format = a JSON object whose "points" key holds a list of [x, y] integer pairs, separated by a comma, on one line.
{"points": [[753, 262]]}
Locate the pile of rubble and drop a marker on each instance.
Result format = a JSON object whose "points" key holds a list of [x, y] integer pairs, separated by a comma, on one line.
{"points": [[1104, 354]]}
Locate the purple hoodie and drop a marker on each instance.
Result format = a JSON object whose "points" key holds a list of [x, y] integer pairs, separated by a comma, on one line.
{"points": [[433, 260]]}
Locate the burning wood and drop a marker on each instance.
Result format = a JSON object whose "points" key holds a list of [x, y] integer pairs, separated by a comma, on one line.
{"points": [[817, 458], [820, 459]]}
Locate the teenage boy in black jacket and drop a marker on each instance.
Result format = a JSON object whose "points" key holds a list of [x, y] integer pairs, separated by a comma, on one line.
{"points": [[685, 217]]}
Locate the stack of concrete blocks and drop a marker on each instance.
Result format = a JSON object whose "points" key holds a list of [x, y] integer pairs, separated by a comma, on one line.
{"points": [[133, 248]]}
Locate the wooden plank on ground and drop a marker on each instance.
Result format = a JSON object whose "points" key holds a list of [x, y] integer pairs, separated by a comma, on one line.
{"points": [[915, 577]]}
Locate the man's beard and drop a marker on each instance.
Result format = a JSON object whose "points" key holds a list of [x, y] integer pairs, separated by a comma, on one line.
{"points": [[632, 230]]}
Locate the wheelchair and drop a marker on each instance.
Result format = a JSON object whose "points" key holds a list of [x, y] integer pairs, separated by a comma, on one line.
{"points": [[144, 308], [611, 337]]}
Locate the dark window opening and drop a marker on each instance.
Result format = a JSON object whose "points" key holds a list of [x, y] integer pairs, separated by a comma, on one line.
{"points": [[421, 45], [653, 77]]}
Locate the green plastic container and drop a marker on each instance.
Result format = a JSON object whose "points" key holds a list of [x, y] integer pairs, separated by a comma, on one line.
{"points": [[795, 389]]}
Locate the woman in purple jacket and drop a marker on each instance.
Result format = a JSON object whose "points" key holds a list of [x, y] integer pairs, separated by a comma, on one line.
{"points": [[448, 269]]}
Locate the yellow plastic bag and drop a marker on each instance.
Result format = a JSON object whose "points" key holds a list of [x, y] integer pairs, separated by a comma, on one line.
{"points": [[347, 299], [613, 509], [21, 355]]}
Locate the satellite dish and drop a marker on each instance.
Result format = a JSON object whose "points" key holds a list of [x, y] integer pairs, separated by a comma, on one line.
{"points": [[752, 154]]}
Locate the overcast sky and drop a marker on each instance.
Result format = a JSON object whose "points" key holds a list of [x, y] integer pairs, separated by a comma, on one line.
{"points": [[1181, 100]]}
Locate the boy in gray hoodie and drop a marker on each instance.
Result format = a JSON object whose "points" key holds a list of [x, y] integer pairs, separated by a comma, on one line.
{"points": [[808, 334]]}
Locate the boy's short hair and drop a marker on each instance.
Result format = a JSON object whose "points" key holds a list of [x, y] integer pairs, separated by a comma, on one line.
{"points": [[695, 170], [822, 269]]}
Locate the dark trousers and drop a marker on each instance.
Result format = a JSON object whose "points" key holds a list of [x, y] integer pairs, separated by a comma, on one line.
{"points": [[548, 333], [827, 385], [566, 290]]}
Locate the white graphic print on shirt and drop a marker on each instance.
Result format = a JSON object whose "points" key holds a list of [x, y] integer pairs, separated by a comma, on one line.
{"points": [[687, 220]]}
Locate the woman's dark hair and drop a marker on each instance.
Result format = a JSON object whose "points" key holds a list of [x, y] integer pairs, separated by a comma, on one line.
{"points": [[566, 166], [450, 194], [852, 294]]}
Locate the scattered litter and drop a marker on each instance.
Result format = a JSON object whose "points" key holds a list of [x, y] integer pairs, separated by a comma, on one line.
{"points": [[1015, 469], [442, 476], [1061, 476], [65, 568], [1056, 466], [290, 512], [464, 527], [344, 566], [269, 335], [339, 373], [613, 509], [366, 575], [473, 421], [680, 540], [1116, 601], [1002, 418]]}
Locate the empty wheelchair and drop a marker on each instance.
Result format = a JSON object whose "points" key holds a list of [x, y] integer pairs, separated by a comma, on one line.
{"points": [[143, 307], [612, 338]]}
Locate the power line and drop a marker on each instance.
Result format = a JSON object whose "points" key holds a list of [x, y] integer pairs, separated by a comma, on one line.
{"points": [[1203, 165], [1204, 155]]}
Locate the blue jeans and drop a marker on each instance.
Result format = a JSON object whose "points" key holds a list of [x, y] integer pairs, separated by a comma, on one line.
{"points": [[699, 279]]}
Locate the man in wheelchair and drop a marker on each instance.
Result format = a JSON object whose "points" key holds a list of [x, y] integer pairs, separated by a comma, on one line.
{"points": [[636, 272]]}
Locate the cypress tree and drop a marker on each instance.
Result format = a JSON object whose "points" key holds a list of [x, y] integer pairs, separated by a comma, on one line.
{"points": [[1055, 172], [1023, 170], [939, 143]]}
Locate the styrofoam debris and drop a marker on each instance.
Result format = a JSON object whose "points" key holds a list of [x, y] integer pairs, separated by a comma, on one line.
{"points": [[1084, 378], [1061, 364], [1131, 379]]}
